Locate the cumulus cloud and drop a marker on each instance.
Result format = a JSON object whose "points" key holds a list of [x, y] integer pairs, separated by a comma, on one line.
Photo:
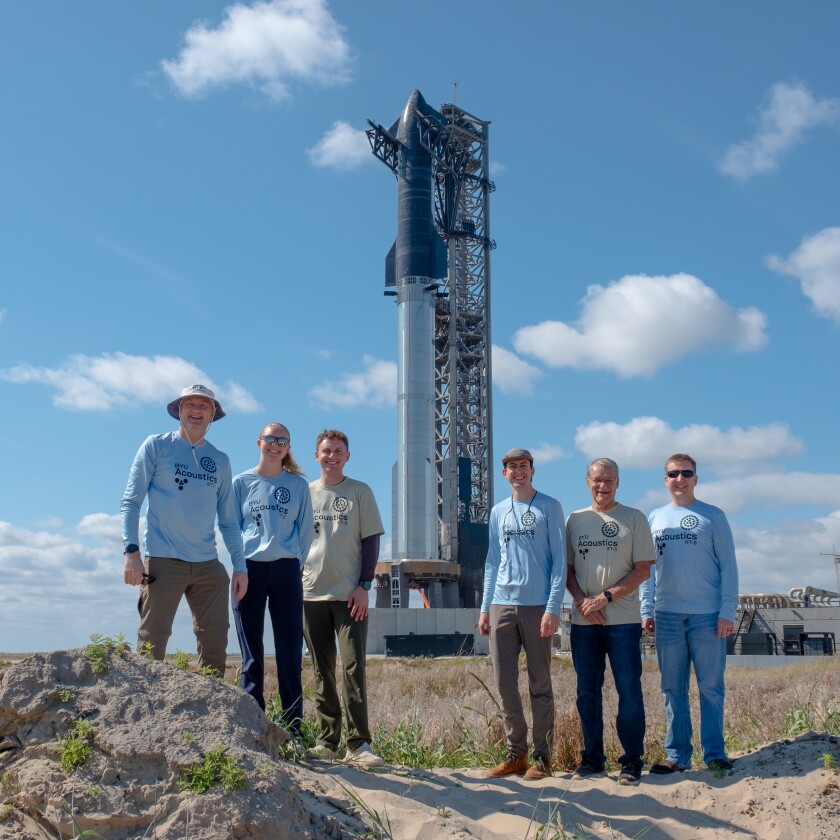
{"points": [[512, 375], [767, 490], [626, 327], [374, 385], [788, 113], [545, 453], [816, 264], [342, 147], [644, 442], [101, 383], [271, 45]]}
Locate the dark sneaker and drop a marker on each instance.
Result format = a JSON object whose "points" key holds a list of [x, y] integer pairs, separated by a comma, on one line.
{"points": [[630, 775], [540, 769], [666, 768], [512, 764], [720, 765], [585, 771]]}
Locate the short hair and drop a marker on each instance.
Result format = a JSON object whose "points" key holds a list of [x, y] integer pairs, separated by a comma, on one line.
{"points": [[289, 462], [681, 456], [603, 462], [331, 434]]}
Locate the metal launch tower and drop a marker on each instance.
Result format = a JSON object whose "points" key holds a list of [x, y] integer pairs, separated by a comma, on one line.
{"points": [[439, 271]]}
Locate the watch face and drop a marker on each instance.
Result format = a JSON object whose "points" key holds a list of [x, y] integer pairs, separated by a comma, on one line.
{"points": [[131, 548], [365, 585]]}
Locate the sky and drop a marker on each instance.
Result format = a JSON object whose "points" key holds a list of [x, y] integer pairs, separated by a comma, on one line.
{"points": [[187, 195]]}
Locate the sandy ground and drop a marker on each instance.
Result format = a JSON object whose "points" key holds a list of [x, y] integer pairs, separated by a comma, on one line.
{"points": [[781, 790]]}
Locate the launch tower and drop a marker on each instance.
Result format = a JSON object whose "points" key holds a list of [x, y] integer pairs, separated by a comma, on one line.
{"points": [[439, 271]]}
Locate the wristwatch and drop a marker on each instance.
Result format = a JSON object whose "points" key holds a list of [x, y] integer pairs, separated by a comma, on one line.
{"points": [[365, 584], [608, 595], [131, 548]]}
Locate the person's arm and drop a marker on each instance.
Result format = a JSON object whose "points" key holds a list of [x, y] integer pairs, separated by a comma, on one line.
{"points": [[724, 547], [491, 571], [139, 480], [625, 586], [305, 524], [556, 524], [229, 527]]}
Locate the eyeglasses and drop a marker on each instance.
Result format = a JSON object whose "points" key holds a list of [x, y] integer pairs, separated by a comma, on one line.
{"points": [[608, 481], [280, 441], [678, 473]]}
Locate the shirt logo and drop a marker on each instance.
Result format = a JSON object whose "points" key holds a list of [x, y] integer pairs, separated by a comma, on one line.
{"points": [[208, 464], [689, 522], [609, 529], [528, 518], [180, 482], [340, 503], [282, 495]]}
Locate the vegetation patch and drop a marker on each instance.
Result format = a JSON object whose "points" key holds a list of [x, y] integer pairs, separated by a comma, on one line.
{"points": [[75, 749], [100, 649], [217, 767]]}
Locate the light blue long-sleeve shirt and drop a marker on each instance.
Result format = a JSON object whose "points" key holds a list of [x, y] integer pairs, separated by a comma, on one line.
{"points": [[526, 558], [275, 515], [187, 490], [695, 570]]}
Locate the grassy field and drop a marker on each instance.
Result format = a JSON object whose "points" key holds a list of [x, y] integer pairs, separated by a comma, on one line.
{"points": [[445, 712]]}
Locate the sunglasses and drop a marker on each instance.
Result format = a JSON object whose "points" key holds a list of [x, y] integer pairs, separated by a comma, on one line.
{"points": [[678, 473], [280, 441]]}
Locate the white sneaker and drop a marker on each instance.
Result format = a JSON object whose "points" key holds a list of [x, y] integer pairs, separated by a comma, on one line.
{"points": [[322, 751], [364, 755]]}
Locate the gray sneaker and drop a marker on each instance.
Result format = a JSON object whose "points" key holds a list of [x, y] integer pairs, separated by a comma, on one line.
{"points": [[364, 756], [323, 752]]}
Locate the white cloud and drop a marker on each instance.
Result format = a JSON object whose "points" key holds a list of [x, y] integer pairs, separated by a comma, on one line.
{"points": [[497, 167], [645, 442], [629, 326], [545, 453], [270, 45], [342, 147], [766, 490], [375, 385], [101, 383], [816, 263], [512, 375], [789, 111]]}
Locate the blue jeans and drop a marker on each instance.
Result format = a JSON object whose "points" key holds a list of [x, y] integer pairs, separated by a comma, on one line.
{"points": [[277, 583], [683, 639], [591, 645]]}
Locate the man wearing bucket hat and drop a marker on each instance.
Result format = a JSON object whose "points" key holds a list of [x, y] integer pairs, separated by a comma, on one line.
{"points": [[188, 484]]}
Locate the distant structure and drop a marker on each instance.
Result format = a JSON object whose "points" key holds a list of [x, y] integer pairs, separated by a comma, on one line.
{"points": [[438, 269]]}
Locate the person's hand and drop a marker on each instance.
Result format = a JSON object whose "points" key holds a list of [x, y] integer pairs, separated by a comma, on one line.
{"points": [[358, 603], [725, 628], [238, 585], [549, 624], [593, 605], [133, 571], [648, 625], [484, 624]]}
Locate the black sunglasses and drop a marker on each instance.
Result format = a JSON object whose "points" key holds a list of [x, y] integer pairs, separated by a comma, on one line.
{"points": [[280, 441], [678, 473]]}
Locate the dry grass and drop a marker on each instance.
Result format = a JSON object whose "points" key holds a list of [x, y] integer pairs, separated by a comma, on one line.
{"points": [[445, 712]]}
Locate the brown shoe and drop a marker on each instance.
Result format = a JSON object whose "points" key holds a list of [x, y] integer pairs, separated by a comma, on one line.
{"points": [[540, 769], [513, 764]]}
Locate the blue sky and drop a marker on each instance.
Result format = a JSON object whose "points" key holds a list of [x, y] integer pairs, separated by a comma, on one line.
{"points": [[186, 195]]}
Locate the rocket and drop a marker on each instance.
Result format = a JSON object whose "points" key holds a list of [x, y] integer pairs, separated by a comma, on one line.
{"points": [[414, 266]]}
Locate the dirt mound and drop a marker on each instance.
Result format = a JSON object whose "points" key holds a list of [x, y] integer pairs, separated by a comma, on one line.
{"points": [[144, 724]]}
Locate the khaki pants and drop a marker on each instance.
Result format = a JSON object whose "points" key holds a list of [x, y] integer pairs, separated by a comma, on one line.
{"points": [[514, 628], [205, 586]]}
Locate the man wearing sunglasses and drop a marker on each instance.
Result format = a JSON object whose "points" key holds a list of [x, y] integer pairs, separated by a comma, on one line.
{"points": [[689, 605]]}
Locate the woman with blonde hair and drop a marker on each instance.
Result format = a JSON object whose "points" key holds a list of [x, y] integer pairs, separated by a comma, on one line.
{"points": [[275, 516]]}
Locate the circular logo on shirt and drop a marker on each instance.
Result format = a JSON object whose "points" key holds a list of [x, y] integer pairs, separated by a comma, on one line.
{"points": [[689, 522], [341, 504], [282, 495], [528, 518], [610, 529], [208, 464]]}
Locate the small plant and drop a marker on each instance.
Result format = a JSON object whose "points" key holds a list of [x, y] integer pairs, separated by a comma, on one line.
{"points": [[181, 660], [66, 696], [147, 649], [101, 647], [265, 770], [829, 762], [6, 810], [75, 749], [443, 811], [216, 768], [210, 671], [8, 780], [382, 823], [188, 737], [93, 790]]}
